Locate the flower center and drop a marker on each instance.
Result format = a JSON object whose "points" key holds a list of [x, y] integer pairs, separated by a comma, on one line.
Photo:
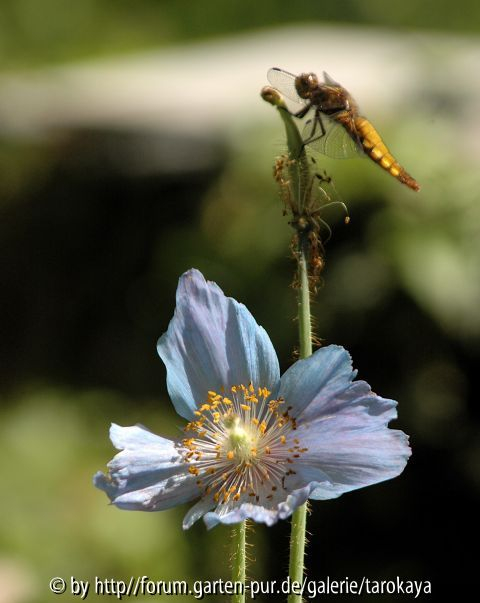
{"points": [[240, 441], [241, 447]]}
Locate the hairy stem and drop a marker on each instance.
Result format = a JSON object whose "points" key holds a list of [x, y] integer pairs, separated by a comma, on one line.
{"points": [[304, 321], [238, 560], [299, 518]]}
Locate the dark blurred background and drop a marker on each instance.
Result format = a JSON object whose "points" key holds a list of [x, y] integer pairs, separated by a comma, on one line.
{"points": [[133, 146]]}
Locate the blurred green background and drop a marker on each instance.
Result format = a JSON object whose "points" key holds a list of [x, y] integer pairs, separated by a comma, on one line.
{"points": [[133, 146]]}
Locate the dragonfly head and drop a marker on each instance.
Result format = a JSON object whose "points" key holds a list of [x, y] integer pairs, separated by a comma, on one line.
{"points": [[305, 84]]}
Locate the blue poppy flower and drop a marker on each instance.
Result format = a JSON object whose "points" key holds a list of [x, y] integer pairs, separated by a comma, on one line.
{"points": [[255, 445]]}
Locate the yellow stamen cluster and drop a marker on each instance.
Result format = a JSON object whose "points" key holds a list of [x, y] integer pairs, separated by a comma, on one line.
{"points": [[237, 445]]}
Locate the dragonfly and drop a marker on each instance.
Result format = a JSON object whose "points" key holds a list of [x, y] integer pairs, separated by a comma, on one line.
{"points": [[336, 128]]}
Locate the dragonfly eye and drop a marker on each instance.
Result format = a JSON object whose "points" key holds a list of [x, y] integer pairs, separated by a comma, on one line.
{"points": [[306, 83]]}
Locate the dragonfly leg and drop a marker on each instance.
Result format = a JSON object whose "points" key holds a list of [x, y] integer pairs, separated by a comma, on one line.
{"points": [[317, 121], [303, 111]]}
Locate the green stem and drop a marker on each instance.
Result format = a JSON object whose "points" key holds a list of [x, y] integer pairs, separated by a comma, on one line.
{"points": [[304, 321], [297, 552], [238, 560], [299, 518]]}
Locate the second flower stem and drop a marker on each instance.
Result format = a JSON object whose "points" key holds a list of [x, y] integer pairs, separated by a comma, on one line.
{"points": [[239, 560], [299, 518]]}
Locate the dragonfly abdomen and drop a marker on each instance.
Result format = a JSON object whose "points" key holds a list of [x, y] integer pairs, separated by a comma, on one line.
{"points": [[377, 150]]}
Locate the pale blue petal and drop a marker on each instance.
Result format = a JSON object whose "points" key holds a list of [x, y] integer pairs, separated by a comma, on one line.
{"points": [[261, 512], [349, 443], [213, 342], [197, 511], [321, 376], [148, 474], [343, 424], [257, 512]]}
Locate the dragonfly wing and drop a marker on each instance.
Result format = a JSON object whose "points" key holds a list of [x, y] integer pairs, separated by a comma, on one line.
{"points": [[284, 82], [337, 142], [329, 80]]}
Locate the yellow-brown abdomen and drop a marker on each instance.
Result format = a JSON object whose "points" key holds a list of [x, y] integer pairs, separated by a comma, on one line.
{"points": [[376, 149]]}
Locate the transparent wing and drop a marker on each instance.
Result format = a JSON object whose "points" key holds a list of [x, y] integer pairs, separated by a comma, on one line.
{"points": [[284, 82], [329, 80], [337, 142]]}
